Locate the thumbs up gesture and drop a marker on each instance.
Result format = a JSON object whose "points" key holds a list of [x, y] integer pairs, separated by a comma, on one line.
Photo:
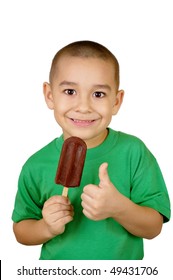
{"points": [[101, 202], [105, 201]]}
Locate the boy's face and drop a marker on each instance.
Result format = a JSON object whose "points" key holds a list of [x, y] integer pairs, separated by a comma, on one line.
{"points": [[84, 97]]}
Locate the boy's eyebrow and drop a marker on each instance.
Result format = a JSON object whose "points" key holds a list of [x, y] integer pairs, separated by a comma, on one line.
{"points": [[104, 86], [68, 83]]}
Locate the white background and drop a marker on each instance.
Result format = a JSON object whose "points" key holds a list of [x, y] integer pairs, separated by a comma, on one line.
{"points": [[139, 33]]}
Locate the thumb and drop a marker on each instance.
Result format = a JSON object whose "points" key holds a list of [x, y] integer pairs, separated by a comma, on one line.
{"points": [[103, 175]]}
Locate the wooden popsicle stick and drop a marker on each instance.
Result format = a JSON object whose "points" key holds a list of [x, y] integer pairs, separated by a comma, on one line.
{"points": [[65, 192]]}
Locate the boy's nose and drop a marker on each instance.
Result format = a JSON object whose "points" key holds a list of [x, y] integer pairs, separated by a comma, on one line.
{"points": [[83, 104]]}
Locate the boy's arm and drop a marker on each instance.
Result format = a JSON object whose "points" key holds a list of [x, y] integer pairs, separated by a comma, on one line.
{"points": [[106, 201], [31, 232], [57, 212], [140, 221]]}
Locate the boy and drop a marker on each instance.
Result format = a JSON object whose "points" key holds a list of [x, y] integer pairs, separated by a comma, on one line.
{"points": [[122, 197]]}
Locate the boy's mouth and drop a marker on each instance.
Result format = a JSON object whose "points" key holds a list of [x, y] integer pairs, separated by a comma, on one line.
{"points": [[82, 123]]}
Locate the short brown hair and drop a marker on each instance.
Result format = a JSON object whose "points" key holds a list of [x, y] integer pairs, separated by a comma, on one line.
{"points": [[85, 49]]}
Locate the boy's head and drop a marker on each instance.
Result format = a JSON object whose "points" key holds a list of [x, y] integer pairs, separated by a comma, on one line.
{"points": [[85, 49], [83, 90]]}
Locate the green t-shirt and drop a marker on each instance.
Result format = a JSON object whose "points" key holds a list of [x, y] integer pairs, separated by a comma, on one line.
{"points": [[132, 169]]}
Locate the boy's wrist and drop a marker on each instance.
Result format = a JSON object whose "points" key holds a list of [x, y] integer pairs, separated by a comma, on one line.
{"points": [[121, 211], [45, 229]]}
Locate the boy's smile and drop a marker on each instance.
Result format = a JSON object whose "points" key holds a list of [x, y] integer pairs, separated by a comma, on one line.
{"points": [[82, 123], [84, 97]]}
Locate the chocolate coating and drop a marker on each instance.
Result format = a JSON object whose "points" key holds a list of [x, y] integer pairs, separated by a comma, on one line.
{"points": [[71, 162]]}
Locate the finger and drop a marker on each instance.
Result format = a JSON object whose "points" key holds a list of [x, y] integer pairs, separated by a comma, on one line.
{"points": [[87, 203], [103, 175], [87, 214], [65, 220], [62, 215], [53, 217], [90, 190], [56, 207], [57, 199], [90, 215]]}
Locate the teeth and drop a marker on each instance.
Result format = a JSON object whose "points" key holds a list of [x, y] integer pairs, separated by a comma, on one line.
{"points": [[82, 121]]}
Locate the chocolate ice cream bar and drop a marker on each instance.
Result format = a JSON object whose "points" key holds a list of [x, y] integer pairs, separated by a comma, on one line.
{"points": [[71, 163]]}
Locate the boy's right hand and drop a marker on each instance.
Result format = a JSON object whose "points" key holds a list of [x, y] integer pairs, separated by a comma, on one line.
{"points": [[57, 212]]}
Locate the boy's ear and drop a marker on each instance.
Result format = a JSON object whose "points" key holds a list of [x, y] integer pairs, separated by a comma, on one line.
{"points": [[48, 95], [118, 102]]}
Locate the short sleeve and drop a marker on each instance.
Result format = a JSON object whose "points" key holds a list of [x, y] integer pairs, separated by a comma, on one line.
{"points": [[148, 186], [27, 204]]}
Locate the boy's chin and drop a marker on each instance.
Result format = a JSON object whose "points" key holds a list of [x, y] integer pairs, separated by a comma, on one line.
{"points": [[92, 139]]}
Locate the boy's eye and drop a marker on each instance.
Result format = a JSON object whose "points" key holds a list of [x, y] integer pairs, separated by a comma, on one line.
{"points": [[99, 94], [69, 91]]}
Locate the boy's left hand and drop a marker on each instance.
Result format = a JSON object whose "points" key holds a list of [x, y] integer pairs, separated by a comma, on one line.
{"points": [[103, 201]]}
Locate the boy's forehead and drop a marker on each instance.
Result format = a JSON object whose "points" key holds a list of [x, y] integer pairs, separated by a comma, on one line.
{"points": [[75, 59], [70, 66], [87, 72], [65, 63]]}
